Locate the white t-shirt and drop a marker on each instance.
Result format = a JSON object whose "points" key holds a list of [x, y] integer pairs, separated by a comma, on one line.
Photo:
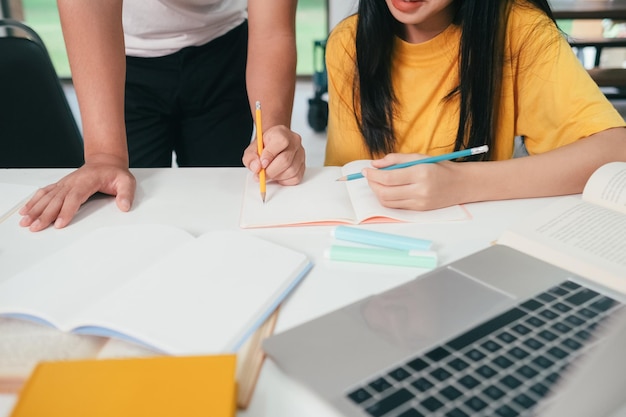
{"points": [[155, 28]]}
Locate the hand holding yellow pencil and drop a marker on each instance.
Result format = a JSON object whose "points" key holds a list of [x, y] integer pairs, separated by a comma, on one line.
{"points": [[259, 142]]}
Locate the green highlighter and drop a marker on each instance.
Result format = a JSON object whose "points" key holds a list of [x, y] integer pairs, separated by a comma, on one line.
{"points": [[411, 258]]}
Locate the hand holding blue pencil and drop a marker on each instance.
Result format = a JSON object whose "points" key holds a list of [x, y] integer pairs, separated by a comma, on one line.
{"points": [[430, 160]]}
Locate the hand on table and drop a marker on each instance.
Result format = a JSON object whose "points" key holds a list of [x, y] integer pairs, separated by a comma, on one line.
{"points": [[58, 203]]}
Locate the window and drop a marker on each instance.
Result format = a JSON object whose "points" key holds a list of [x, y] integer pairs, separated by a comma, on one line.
{"points": [[311, 26]]}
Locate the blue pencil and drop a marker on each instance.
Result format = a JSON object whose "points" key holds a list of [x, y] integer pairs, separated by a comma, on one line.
{"points": [[429, 160]]}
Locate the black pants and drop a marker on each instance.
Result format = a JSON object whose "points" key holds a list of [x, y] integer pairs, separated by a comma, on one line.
{"points": [[193, 102]]}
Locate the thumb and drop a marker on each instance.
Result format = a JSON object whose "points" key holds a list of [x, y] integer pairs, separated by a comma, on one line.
{"points": [[124, 197]]}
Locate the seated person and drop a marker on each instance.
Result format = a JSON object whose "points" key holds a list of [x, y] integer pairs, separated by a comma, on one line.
{"points": [[409, 79]]}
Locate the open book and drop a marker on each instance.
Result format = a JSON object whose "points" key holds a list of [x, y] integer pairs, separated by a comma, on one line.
{"points": [[158, 286], [584, 235], [24, 344], [320, 199]]}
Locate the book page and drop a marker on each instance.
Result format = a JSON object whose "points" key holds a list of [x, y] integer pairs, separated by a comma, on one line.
{"points": [[57, 287], [206, 296], [607, 186], [584, 238], [369, 210], [24, 344], [318, 198]]}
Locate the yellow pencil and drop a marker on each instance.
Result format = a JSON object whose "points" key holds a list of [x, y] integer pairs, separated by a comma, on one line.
{"points": [[259, 143]]}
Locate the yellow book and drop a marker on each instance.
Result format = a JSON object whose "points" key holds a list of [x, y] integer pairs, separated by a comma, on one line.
{"points": [[187, 386]]}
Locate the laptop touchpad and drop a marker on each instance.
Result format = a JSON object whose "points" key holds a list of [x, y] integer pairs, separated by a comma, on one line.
{"points": [[428, 310], [374, 333]]}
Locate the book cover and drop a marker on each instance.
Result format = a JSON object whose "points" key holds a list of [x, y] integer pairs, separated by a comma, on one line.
{"points": [[190, 386]]}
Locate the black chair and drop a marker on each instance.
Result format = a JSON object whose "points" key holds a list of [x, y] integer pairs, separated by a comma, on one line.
{"points": [[37, 126]]}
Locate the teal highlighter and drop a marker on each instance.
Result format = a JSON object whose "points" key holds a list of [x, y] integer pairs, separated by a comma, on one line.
{"points": [[383, 240]]}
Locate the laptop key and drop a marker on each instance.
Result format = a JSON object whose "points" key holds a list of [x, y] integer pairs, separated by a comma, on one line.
{"points": [[518, 353], [469, 381], [485, 371], [380, 384], [475, 403], [422, 384], [451, 393], [437, 354], [557, 352], [412, 412], [359, 395], [511, 382], [399, 374], [503, 362], [418, 364], [581, 297], [475, 355], [527, 372], [458, 364], [441, 374], [431, 404], [486, 328], [491, 346], [456, 413], [531, 305], [547, 335], [603, 304], [525, 401], [390, 402], [493, 392], [542, 362], [506, 411], [540, 389]]}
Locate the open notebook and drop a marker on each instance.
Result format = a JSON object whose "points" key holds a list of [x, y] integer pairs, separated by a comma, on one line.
{"points": [[158, 286], [321, 200]]}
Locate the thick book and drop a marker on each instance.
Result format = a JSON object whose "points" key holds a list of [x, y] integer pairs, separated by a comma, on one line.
{"points": [[584, 234], [322, 200], [23, 345], [158, 286], [190, 386]]}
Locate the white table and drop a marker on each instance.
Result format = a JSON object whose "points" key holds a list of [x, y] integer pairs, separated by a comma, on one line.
{"points": [[205, 199]]}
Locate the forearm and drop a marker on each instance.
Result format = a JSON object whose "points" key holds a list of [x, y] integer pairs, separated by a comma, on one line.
{"points": [[559, 172], [271, 67], [95, 44]]}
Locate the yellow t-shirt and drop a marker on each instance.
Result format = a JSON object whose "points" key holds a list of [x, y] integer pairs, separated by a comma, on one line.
{"points": [[547, 95]]}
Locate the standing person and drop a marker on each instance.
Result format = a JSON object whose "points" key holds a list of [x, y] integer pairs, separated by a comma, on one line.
{"points": [[156, 77], [427, 77]]}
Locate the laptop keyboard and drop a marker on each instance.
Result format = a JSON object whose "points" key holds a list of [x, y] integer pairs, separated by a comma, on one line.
{"points": [[502, 367]]}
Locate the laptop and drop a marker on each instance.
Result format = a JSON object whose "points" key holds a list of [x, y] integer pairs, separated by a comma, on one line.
{"points": [[497, 333]]}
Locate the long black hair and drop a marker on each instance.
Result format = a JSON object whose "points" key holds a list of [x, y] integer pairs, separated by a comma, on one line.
{"points": [[481, 60]]}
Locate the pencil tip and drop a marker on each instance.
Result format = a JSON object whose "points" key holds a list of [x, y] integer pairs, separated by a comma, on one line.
{"points": [[341, 179], [263, 197]]}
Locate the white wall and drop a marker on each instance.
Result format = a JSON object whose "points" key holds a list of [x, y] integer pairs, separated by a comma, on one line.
{"points": [[339, 9]]}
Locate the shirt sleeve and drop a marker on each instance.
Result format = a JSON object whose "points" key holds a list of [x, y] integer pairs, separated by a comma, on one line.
{"points": [[557, 101]]}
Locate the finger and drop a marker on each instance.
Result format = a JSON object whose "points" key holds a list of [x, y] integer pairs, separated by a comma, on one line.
{"points": [[251, 159], [38, 205], [296, 178], [125, 195], [69, 208], [35, 199], [47, 216]]}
